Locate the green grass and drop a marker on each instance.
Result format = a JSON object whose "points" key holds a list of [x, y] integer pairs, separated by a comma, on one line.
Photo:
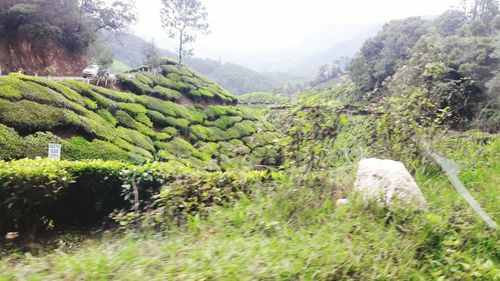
{"points": [[284, 231]]}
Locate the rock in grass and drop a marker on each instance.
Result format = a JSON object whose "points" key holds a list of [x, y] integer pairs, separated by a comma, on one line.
{"points": [[388, 182]]}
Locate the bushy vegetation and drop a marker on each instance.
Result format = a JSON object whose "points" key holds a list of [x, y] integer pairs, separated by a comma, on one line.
{"points": [[38, 193], [452, 59]]}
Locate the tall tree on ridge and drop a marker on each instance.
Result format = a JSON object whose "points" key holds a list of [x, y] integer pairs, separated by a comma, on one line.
{"points": [[184, 19]]}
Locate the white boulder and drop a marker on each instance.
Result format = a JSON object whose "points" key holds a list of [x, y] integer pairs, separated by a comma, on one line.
{"points": [[387, 182]]}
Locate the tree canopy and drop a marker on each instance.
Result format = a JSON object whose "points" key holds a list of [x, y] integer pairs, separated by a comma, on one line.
{"points": [[454, 60], [184, 19], [71, 22]]}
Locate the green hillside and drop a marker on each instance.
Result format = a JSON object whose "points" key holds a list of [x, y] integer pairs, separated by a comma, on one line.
{"points": [[176, 115]]}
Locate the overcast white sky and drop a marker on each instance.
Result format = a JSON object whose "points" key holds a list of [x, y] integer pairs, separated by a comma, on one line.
{"points": [[245, 25]]}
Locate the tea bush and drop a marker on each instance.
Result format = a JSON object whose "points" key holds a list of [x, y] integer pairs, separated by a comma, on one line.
{"points": [[11, 144]]}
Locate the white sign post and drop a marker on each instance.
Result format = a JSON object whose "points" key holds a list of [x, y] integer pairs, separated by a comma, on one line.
{"points": [[54, 151]]}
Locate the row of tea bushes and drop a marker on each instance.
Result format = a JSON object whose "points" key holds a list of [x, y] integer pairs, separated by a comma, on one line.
{"points": [[43, 193]]}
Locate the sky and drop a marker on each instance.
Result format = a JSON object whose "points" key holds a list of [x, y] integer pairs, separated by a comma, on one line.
{"points": [[249, 25]]}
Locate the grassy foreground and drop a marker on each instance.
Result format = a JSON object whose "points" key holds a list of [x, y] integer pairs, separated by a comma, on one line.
{"points": [[287, 231]]}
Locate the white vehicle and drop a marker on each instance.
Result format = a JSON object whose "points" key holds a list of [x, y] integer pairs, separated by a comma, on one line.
{"points": [[91, 71]]}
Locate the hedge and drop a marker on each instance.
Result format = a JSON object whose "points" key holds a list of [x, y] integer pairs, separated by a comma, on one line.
{"points": [[37, 193], [34, 193]]}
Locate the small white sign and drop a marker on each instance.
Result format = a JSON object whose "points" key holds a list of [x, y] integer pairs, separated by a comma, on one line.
{"points": [[54, 151]]}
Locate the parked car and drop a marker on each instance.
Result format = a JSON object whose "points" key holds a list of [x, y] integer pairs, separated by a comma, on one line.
{"points": [[94, 71]]}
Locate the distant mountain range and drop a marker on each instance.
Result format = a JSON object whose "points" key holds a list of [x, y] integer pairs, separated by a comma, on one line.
{"points": [[322, 46], [127, 48], [261, 71]]}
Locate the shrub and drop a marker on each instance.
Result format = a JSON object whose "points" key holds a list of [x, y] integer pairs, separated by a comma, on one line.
{"points": [[260, 139], [182, 148], [115, 95], [133, 109], [190, 113], [178, 123], [159, 80], [10, 88], [133, 85], [171, 131], [206, 93], [125, 120], [157, 118], [58, 87], [11, 144], [241, 130], [209, 148], [145, 80], [87, 90], [28, 116], [182, 191], [35, 92], [106, 115], [211, 134], [216, 111], [36, 193], [42, 192], [37, 145], [164, 107], [78, 148], [90, 104], [144, 119], [147, 131], [136, 138], [194, 94], [166, 93], [227, 121], [167, 69], [175, 83]]}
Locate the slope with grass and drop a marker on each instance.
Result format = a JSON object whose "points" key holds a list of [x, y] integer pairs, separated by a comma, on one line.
{"points": [[173, 115]]}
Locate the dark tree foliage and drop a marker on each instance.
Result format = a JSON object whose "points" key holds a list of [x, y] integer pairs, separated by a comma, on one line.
{"points": [[43, 20], [71, 22], [453, 60], [112, 16], [380, 56]]}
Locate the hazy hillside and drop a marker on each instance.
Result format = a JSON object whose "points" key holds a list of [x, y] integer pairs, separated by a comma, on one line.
{"points": [[127, 48], [321, 46], [309, 66]]}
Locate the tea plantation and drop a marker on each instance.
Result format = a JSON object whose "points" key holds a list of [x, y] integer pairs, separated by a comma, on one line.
{"points": [[175, 115]]}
